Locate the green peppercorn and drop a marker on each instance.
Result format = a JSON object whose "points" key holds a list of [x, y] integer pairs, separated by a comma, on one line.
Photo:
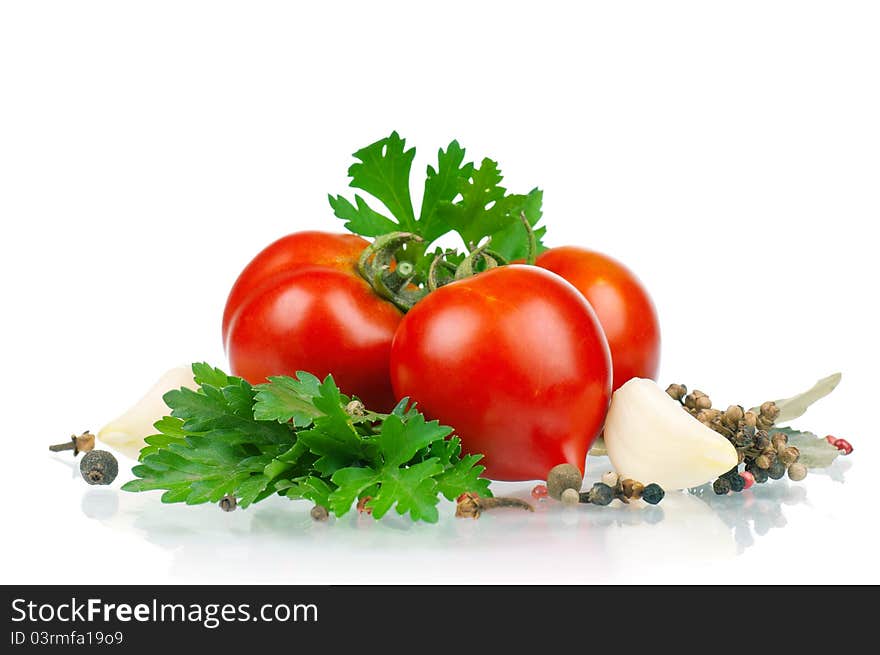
{"points": [[721, 486], [653, 493]]}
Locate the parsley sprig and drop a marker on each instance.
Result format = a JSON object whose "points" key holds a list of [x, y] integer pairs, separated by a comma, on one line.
{"points": [[300, 438], [459, 197]]}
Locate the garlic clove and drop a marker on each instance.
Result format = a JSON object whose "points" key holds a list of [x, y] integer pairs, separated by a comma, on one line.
{"points": [[650, 438], [127, 432]]}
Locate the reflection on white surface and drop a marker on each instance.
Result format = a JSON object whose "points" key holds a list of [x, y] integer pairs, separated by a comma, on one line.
{"points": [[276, 541]]}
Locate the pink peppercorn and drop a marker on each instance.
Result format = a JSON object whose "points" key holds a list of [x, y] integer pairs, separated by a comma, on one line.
{"points": [[748, 478], [844, 446], [540, 491]]}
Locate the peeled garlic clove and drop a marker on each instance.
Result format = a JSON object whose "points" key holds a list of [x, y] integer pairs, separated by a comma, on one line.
{"points": [[127, 432], [650, 438]]}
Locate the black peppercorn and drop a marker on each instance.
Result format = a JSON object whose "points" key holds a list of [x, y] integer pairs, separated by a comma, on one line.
{"points": [[98, 467], [776, 470], [599, 494], [228, 503], [737, 482], [653, 493], [759, 474], [721, 486]]}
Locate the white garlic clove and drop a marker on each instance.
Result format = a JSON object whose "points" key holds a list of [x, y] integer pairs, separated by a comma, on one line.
{"points": [[650, 438], [127, 432]]}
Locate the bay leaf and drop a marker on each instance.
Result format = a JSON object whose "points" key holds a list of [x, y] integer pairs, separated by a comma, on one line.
{"points": [[816, 452], [792, 408]]}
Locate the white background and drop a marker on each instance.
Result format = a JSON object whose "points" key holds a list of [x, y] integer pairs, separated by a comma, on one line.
{"points": [[727, 152]]}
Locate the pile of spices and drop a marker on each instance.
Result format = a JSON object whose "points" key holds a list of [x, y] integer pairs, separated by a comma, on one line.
{"points": [[764, 456]]}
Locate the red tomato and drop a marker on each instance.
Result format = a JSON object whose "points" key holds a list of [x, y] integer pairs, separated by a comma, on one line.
{"points": [[337, 251], [514, 359], [622, 304], [287, 314]]}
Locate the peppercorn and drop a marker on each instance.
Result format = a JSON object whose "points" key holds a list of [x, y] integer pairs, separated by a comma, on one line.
{"points": [[632, 490], [779, 441], [610, 478], [697, 400], [677, 391], [750, 419], [570, 496], [776, 470], [653, 493], [762, 462], [762, 440], [228, 503], [355, 409], [759, 474], [732, 472], [748, 479], [797, 472], [737, 483], [708, 416], [844, 446], [733, 416], [769, 410], [539, 491], [599, 494], [319, 513], [562, 477], [789, 455], [721, 486], [98, 467]]}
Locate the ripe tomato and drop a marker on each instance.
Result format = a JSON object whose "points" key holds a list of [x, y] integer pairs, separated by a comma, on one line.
{"points": [[622, 304], [291, 310], [514, 359], [310, 248]]}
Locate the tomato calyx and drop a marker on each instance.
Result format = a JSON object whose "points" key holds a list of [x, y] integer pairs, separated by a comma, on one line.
{"points": [[392, 278], [387, 267]]}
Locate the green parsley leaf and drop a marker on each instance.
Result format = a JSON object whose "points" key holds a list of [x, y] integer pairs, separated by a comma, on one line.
{"points": [[441, 188], [294, 437], [286, 399], [458, 196], [383, 172]]}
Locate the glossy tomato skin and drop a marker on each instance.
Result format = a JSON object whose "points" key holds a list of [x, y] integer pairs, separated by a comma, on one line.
{"points": [[621, 302], [515, 360], [319, 320], [307, 248]]}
